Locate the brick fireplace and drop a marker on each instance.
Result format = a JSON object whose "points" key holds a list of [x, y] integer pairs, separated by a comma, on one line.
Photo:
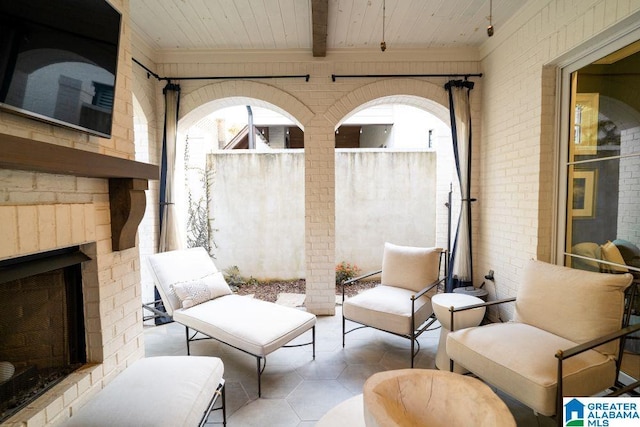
{"points": [[41, 212], [110, 280], [59, 189], [42, 318]]}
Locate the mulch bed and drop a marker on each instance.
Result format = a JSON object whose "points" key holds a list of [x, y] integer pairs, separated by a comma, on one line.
{"points": [[268, 291]]}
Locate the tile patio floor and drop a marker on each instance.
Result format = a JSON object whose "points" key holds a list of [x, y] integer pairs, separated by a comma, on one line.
{"points": [[297, 390]]}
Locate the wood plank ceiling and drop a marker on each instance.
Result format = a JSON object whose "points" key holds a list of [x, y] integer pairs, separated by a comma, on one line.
{"points": [[315, 25]]}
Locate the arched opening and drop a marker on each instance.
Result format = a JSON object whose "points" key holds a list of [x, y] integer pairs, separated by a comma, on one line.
{"points": [[243, 182], [397, 184]]}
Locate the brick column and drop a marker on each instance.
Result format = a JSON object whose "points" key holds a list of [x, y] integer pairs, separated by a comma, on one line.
{"points": [[320, 216]]}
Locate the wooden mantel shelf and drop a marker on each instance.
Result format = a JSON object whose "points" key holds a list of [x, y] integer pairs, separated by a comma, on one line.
{"points": [[26, 154], [127, 178]]}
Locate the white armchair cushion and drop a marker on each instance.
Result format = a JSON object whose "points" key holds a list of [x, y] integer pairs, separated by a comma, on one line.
{"points": [[194, 292], [596, 308], [410, 267], [387, 308], [529, 374]]}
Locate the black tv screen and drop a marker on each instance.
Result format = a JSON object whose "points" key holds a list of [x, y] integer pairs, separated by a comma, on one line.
{"points": [[58, 61]]}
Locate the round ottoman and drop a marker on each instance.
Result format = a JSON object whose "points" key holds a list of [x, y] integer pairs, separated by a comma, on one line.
{"points": [[431, 398], [463, 319]]}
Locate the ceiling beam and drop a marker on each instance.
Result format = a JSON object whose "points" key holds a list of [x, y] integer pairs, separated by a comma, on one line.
{"points": [[319, 19]]}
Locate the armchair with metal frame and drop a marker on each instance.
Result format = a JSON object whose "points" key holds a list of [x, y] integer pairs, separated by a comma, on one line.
{"points": [[560, 343], [401, 303]]}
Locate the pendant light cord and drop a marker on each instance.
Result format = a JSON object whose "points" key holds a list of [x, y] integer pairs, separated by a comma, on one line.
{"points": [[490, 27], [383, 44]]}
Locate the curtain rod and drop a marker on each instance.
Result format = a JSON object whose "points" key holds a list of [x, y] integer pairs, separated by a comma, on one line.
{"points": [[348, 76], [151, 73]]}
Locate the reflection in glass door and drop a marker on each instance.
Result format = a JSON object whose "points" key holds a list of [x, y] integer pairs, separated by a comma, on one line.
{"points": [[603, 165]]}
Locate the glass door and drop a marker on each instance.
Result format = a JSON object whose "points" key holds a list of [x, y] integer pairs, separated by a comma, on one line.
{"points": [[603, 165]]}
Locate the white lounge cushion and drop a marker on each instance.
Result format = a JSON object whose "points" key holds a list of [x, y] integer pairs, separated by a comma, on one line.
{"points": [[387, 308], [528, 374], [258, 327], [162, 391], [410, 267]]}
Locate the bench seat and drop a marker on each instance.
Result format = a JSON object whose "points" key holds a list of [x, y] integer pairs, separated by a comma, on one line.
{"points": [[156, 391]]}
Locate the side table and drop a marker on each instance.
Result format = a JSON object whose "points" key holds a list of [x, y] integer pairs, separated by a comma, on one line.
{"points": [[473, 291], [463, 319]]}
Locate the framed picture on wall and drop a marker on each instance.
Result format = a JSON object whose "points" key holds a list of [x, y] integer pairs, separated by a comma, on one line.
{"points": [[584, 193], [586, 124]]}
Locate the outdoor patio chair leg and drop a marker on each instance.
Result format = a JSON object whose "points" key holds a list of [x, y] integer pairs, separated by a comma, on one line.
{"points": [[186, 329], [224, 406], [413, 343], [313, 339], [343, 326], [259, 376]]}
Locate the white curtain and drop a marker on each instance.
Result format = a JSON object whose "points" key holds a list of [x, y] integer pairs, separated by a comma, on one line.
{"points": [[170, 238], [460, 258]]}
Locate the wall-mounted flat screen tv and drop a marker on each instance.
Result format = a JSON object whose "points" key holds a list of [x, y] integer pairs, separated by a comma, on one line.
{"points": [[58, 61]]}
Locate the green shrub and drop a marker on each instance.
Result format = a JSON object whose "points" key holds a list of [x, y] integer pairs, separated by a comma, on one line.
{"points": [[233, 277], [346, 271]]}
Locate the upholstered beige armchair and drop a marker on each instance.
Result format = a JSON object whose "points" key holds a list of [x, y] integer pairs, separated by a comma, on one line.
{"points": [[401, 304], [564, 339]]}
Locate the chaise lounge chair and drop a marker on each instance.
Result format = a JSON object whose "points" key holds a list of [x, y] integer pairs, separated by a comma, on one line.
{"points": [[196, 295]]}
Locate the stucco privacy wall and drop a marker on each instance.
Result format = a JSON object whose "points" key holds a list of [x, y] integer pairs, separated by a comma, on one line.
{"points": [[318, 106], [258, 223], [41, 212], [383, 196], [519, 131]]}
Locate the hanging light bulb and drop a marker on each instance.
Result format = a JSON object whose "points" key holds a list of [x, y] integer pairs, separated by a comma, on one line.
{"points": [[490, 27], [383, 44]]}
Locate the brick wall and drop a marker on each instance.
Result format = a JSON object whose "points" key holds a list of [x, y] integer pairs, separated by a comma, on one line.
{"points": [[318, 106], [629, 186], [40, 212], [519, 131], [148, 140], [28, 305], [513, 111]]}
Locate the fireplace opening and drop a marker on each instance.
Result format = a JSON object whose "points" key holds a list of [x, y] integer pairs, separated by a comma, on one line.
{"points": [[42, 333]]}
